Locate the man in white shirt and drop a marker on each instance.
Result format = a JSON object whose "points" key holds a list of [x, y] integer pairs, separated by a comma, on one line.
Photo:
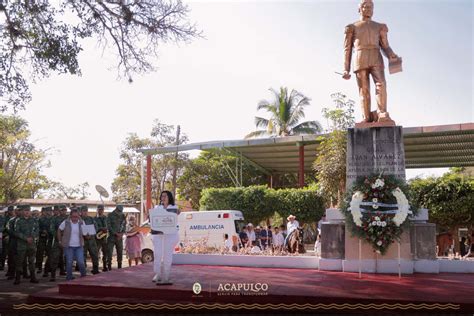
{"points": [[251, 235], [278, 239], [317, 246], [71, 236], [291, 226]]}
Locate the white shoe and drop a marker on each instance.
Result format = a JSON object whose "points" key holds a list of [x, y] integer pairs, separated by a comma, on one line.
{"points": [[156, 278]]}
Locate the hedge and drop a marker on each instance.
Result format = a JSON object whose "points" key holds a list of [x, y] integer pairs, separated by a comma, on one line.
{"points": [[259, 203]]}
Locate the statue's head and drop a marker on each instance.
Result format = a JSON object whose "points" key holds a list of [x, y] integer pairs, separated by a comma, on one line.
{"points": [[366, 8]]}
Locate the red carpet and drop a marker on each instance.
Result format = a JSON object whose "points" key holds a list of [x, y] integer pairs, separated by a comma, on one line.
{"points": [[302, 286]]}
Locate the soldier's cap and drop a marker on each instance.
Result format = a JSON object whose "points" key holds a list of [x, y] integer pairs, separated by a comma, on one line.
{"points": [[100, 207], [62, 207], [42, 209], [10, 208], [84, 208], [119, 207], [56, 208], [25, 207], [48, 209]]}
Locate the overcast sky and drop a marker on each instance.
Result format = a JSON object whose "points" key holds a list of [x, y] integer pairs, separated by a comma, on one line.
{"points": [[211, 87]]}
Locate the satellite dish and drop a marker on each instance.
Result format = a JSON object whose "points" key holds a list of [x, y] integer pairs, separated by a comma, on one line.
{"points": [[102, 191]]}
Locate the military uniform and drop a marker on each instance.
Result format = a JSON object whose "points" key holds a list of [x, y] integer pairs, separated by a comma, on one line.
{"points": [[101, 224], [10, 229], [90, 245], [42, 248], [5, 237], [57, 256], [26, 233], [116, 225]]}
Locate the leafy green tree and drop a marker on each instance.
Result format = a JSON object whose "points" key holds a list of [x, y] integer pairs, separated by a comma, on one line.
{"points": [[211, 170], [449, 198], [126, 185], [21, 162], [44, 37], [330, 164], [58, 190], [287, 111]]}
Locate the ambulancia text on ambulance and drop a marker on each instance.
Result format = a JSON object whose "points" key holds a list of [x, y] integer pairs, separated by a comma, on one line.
{"points": [[199, 225]]}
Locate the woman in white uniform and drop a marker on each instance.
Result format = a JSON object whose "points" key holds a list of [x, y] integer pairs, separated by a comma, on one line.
{"points": [[164, 244]]}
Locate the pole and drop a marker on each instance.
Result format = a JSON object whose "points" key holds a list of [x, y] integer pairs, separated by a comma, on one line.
{"points": [[399, 263], [241, 179], [360, 259], [175, 167], [142, 187], [301, 166], [148, 182]]}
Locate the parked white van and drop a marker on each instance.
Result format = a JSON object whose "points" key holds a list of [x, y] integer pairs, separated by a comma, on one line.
{"points": [[195, 226]]}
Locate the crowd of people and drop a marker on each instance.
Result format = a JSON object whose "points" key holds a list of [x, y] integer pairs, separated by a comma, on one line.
{"points": [[261, 238], [50, 242]]}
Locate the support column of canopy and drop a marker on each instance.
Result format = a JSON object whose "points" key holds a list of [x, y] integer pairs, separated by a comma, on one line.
{"points": [[148, 182], [301, 165]]}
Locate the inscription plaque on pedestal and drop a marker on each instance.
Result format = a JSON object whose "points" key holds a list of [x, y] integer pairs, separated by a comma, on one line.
{"points": [[375, 150]]}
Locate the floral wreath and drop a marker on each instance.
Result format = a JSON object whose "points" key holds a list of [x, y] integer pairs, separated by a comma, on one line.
{"points": [[376, 210]]}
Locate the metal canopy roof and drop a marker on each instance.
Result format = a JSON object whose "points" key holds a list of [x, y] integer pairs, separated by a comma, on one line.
{"points": [[425, 147]]}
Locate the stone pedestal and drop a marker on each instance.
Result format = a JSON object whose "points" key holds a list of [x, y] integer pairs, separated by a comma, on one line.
{"points": [[423, 241], [352, 249], [332, 240], [375, 150]]}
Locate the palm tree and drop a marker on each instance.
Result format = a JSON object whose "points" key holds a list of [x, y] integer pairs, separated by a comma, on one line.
{"points": [[286, 112]]}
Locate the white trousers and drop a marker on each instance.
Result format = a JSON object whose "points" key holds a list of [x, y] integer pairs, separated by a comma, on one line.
{"points": [[163, 251]]}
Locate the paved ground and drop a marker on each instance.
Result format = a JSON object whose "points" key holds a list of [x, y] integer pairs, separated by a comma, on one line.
{"points": [[11, 294], [285, 287]]}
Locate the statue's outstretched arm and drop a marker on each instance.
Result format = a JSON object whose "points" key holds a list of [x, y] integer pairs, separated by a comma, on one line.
{"points": [[386, 49], [348, 44]]}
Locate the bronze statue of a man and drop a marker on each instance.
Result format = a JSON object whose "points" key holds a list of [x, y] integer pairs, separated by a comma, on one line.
{"points": [[367, 38]]}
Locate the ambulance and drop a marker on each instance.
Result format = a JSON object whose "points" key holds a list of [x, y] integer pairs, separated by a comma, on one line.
{"points": [[197, 226]]}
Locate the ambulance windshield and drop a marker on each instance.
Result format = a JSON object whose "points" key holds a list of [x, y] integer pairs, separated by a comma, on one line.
{"points": [[239, 225]]}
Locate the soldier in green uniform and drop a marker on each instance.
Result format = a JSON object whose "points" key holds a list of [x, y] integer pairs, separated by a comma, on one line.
{"points": [[43, 224], [90, 246], [5, 238], [56, 249], [26, 232], [43, 247], [10, 229], [62, 259], [116, 225], [101, 237]]}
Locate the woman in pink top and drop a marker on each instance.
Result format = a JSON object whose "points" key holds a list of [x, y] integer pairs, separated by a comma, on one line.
{"points": [[133, 245]]}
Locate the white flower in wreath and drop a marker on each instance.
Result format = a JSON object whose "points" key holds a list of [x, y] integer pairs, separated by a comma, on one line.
{"points": [[379, 183], [379, 243], [375, 200], [379, 223], [377, 218], [383, 224], [375, 206], [357, 198], [403, 207], [374, 223]]}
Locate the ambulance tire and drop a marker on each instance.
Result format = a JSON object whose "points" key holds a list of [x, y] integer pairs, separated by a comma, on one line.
{"points": [[147, 255]]}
